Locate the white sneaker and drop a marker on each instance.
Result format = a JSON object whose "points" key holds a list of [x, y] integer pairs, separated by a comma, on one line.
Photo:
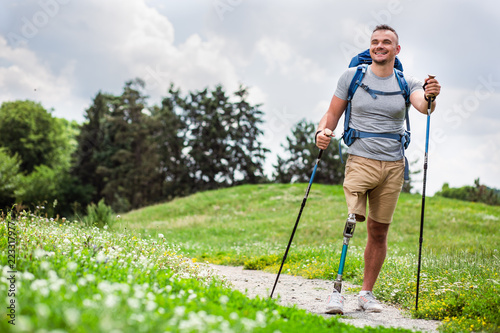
{"points": [[369, 303], [335, 303]]}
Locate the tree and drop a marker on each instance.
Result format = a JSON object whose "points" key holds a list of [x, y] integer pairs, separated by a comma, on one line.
{"points": [[28, 130], [222, 139], [92, 142], [476, 193], [302, 154], [9, 178], [131, 170], [247, 153], [134, 155], [168, 133]]}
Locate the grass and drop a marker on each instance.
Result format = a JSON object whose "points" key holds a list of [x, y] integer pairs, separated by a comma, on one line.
{"points": [[71, 277], [250, 225]]}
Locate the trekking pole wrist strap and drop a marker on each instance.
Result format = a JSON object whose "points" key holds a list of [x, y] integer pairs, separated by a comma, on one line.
{"points": [[432, 98], [316, 136], [425, 96]]}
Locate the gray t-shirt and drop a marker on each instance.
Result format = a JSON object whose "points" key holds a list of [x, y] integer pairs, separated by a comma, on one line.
{"points": [[385, 114]]}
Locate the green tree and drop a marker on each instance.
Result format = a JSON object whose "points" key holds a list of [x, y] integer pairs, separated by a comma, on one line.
{"points": [[168, 133], [91, 151], [301, 157], [131, 167], [222, 138], [28, 130], [247, 153], [9, 178], [476, 193]]}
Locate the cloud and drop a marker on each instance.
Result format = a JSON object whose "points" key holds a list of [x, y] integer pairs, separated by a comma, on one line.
{"points": [[100, 45], [25, 76], [281, 57]]}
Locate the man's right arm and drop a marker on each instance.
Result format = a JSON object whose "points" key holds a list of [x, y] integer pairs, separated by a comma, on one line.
{"points": [[329, 120]]}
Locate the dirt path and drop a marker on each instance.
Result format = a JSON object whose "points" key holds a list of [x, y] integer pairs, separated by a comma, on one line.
{"points": [[311, 295]]}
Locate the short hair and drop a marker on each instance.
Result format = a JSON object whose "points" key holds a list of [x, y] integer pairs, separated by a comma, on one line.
{"points": [[386, 27]]}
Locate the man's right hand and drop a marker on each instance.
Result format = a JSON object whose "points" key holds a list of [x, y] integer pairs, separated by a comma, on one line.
{"points": [[323, 138]]}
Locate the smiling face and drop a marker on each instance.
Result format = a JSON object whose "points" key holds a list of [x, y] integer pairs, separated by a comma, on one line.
{"points": [[384, 47]]}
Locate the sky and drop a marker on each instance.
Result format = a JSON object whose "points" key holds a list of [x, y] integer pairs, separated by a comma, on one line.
{"points": [[290, 54]]}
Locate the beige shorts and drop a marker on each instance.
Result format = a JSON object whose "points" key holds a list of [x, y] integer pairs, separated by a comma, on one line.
{"points": [[379, 181]]}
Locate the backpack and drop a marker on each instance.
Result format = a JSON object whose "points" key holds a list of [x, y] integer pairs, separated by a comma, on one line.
{"points": [[361, 61]]}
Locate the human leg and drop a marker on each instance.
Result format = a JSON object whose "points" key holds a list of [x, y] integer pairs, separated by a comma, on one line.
{"points": [[375, 252]]}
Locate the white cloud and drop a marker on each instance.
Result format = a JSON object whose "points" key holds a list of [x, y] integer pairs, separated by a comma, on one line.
{"points": [[25, 76], [121, 41], [281, 57]]}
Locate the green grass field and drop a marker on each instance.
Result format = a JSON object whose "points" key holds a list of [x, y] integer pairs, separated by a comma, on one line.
{"points": [[250, 225], [142, 274]]}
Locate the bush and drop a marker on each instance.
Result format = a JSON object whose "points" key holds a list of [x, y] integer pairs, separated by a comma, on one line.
{"points": [[476, 193], [9, 177], [99, 215]]}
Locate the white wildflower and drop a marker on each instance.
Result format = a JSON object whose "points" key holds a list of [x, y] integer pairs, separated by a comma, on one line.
{"points": [[133, 303], [72, 316], [151, 306], [111, 300], [72, 266]]}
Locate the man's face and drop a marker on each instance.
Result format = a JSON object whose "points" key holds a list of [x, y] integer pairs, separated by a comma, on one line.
{"points": [[384, 46]]}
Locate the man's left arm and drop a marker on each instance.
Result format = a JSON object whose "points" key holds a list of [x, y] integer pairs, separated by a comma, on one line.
{"points": [[418, 98]]}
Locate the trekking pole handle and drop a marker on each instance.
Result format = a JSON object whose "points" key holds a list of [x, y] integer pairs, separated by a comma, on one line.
{"points": [[328, 132], [431, 96]]}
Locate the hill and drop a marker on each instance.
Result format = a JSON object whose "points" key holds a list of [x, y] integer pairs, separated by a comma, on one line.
{"points": [[250, 225]]}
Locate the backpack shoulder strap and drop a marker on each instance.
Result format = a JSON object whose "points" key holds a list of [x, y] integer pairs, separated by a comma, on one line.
{"points": [[355, 83], [403, 85], [356, 80]]}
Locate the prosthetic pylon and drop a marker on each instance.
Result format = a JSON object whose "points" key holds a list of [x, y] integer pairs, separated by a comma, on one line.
{"points": [[350, 225]]}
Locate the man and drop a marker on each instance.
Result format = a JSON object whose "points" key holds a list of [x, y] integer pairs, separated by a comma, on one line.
{"points": [[375, 166]]}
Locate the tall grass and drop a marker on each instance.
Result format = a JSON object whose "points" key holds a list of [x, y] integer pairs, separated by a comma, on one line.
{"points": [[251, 225]]}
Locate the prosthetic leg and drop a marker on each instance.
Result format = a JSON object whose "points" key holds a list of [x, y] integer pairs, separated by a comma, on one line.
{"points": [[350, 225]]}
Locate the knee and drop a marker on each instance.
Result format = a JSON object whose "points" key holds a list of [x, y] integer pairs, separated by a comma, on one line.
{"points": [[377, 232]]}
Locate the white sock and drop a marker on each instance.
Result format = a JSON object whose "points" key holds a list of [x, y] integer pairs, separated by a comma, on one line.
{"points": [[364, 292]]}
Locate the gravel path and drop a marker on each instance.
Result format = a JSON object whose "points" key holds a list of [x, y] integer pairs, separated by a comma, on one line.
{"points": [[311, 295]]}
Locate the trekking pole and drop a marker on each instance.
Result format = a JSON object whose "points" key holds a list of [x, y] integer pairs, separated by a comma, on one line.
{"points": [[421, 239], [328, 132]]}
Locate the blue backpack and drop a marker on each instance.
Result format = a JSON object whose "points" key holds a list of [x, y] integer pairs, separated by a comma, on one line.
{"points": [[361, 61]]}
